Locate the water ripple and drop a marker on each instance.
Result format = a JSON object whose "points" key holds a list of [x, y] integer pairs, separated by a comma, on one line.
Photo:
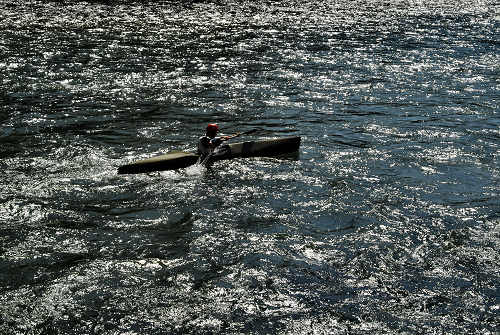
{"points": [[386, 222]]}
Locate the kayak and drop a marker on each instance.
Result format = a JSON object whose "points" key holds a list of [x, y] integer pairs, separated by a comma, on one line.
{"points": [[179, 160]]}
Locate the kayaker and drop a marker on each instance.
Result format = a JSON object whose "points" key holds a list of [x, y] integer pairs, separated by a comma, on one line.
{"points": [[208, 143]]}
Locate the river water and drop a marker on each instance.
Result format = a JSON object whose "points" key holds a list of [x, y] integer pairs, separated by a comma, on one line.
{"points": [[388, 221]]}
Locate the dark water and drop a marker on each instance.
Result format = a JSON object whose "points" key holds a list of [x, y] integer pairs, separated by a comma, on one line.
{"points": [[388, 223]]}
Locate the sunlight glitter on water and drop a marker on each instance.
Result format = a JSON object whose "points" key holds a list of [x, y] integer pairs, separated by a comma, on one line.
{"points": [[381, 223]]}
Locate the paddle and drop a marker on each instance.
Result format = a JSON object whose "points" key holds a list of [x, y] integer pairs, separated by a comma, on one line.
{"points": [[225, 138]]}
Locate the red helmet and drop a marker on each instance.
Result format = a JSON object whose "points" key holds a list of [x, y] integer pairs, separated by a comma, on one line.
{"points": [[212, 127]]}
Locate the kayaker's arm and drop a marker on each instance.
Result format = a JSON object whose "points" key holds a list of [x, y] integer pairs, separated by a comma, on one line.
{"points": [[221, 139], [225, 138]]}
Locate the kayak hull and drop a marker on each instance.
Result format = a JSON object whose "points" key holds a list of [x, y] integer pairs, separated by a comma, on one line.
{"points": [[170, 161], [179, 160]]}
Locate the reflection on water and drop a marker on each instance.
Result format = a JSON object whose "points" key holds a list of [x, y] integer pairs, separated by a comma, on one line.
{"points": [[386, 221]]}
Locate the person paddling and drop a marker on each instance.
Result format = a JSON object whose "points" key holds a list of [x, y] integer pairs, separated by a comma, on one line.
{"points": [[208, 143]]}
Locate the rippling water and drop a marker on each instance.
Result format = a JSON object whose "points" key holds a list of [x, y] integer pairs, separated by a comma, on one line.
{"points": [[388, 222]]}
